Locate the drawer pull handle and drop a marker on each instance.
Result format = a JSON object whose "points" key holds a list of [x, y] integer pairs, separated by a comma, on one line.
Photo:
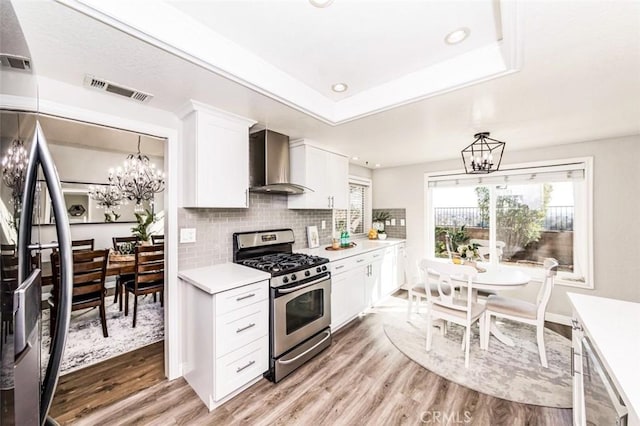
{"points": [[376, 255], [240, 330], [360, 260], [340, 267], [245, 297], [249, 364]]}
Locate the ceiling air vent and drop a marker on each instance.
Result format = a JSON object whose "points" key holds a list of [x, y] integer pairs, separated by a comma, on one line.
{"points": [[15, 62], [107, 86]]}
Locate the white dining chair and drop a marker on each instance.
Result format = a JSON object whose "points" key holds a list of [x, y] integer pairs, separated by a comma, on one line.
{"points": [[523, 311], [416, 287], [484, 248], [447, 305]]}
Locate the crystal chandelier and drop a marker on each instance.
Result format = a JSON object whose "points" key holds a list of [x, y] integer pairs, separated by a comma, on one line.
{"points": [[14, 166], [484, 155], [107, 196], [138, 180]]}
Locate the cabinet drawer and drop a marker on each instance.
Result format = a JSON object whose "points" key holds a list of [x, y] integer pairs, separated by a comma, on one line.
{"points": [[347, 264], [240, 327], [376, 255], [238, 368], [240, 297]]}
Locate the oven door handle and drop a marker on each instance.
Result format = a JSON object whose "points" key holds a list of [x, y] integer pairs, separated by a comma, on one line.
{"points": [[291, 290], [294, 359]]}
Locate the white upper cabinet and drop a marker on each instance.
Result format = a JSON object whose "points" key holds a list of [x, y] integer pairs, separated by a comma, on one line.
{"points": [[325, 172], [215, 157]]}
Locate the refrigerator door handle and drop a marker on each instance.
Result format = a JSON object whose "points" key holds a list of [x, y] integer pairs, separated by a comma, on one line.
{"points": [[40, 155]]}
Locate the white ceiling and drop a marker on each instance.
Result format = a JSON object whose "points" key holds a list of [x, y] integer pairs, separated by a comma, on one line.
{"points": [[579, 77], [362, 44]]}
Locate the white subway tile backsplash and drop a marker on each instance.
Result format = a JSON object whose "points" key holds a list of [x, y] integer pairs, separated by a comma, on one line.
{"points": [[215, 227]]}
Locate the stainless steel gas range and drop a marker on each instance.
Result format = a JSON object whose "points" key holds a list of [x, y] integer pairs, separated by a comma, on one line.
{"points": [[300, 297]]}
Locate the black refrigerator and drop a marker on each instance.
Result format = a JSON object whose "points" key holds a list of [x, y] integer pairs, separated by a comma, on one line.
{"points": [[27, 387]]}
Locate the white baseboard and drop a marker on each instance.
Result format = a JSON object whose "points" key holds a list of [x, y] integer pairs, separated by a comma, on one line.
{"points": [[557, 318]]}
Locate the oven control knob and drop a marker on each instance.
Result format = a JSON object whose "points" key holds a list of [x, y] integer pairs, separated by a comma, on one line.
{"points": [[285, 280], [307, 273], [318, 269], [324, 268], [293, 277]]}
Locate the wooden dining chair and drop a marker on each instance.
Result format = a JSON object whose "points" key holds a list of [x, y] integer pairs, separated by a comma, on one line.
{"points": [[157, 239], [79, 245], [120, 279], [89, 272], [448, 305], [523, 311], [8, 284], [7, 249], [148, 277]]}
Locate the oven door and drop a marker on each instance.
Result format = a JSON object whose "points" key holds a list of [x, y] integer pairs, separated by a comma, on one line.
{"points": [[300, 311], [602, 402]]}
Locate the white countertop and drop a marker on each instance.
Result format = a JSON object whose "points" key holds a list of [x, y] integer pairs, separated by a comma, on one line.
{"points": [[362, 246], [225, 276], [614, 328]]}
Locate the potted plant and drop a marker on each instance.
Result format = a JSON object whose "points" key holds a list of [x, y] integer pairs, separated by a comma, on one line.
{"points": [[379, 219], [141, 230], [382, 235]]}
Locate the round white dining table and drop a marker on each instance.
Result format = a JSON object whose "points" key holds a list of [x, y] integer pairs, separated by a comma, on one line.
{"points": [[496, 278]]}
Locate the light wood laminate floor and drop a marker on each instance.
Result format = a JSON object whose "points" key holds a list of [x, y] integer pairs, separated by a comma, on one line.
{"points": [[362, 379]]}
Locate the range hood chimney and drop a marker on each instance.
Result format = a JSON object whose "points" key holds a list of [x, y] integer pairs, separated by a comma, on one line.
{"points": [[269, 164]]}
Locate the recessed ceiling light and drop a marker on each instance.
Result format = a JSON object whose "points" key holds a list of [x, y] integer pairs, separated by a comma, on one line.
{"points": [[339, 87], [457, 36], [355, 158], [377, 164], [321, 3]]}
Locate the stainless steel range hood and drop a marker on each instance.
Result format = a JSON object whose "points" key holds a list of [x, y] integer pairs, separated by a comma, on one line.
{"points": [[269, 164]]}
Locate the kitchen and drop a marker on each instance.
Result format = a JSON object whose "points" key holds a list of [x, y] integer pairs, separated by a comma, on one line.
{"points": [[611, 138]]}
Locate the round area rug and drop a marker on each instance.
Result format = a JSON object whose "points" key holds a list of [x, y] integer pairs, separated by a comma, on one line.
{"points": [[511, 373]]}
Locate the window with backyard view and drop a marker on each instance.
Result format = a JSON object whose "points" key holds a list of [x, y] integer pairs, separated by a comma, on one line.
{"points": [[529, 214], [357, 214]]}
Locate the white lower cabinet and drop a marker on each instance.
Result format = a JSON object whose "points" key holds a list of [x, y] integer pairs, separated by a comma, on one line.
{"points": [[227, 340], [359, 282], [347, 296]]}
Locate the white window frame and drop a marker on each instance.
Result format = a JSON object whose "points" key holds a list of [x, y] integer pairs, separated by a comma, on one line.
{"points": [[583, 243], [366, 223]]}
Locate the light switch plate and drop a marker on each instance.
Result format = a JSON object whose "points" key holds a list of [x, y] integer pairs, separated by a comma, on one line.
{"points": [[393, 222], [402, 223], [323, 224], [187, 235]]}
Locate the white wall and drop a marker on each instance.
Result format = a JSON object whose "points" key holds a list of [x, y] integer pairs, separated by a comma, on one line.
{"points": [[616, 207], [356, 170]]}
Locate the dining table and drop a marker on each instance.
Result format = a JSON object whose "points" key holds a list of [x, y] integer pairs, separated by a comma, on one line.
{"points": [[495, 278]]}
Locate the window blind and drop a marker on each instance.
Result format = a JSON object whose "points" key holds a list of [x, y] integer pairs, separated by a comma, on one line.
{"points": [[557, 173]]}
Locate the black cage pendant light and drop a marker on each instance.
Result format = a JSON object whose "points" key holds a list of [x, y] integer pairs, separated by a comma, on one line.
{"points": [[483, 155]]}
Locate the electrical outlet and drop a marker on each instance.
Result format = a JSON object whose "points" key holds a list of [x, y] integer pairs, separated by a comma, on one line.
{"points": [[387, 222], [393, 222], [187, 235], [402, 222], [323, 224]]}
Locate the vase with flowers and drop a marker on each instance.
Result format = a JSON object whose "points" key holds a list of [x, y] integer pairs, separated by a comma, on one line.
{"points": [[468, 252]]}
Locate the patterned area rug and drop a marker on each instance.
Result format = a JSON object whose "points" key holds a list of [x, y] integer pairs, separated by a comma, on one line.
{"points": [[85, 343], [511, 373]]}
